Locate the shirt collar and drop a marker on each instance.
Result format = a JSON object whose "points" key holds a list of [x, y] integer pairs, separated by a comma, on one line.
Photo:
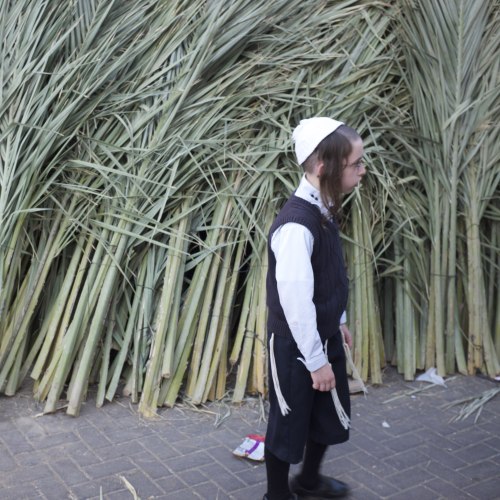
{"points": [[308, 192]]}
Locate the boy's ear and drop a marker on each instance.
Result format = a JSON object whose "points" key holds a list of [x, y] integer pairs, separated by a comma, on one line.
{"points": [[318, 170]]}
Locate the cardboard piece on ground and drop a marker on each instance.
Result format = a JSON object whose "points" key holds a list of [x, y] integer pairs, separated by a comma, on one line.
{"points": [[252, 447]]}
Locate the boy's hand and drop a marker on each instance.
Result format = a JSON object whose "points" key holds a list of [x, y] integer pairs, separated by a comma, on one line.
{"points": [[323, 378]]}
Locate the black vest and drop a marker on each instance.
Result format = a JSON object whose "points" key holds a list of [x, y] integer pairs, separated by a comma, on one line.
{"points": [[330, 278]]}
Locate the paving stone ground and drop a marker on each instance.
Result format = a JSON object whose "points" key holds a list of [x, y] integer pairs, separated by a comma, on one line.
{"points": [[404, 449]]}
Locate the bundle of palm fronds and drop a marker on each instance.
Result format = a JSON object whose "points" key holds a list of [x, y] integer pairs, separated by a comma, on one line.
{"points": [[145, 151]]}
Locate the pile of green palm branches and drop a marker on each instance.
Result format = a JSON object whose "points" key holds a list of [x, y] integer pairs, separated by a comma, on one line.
{"points": [[145, 150]]}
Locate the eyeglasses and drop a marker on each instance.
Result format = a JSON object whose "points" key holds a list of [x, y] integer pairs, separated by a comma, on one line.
{"points": [[357, 164]]}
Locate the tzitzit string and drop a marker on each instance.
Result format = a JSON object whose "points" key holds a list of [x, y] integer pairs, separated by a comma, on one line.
{"points": [[355, 374], [285, 409], [343, 416]]}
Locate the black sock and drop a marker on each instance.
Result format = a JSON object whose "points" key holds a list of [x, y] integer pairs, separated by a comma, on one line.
{"points": [[308, 477], [277, 477]]}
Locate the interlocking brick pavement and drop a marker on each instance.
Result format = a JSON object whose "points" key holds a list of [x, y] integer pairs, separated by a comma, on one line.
{"points": [[404, 449]]}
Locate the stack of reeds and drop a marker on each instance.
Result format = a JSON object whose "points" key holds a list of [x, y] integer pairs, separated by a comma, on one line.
{"points": [[145, 150]]}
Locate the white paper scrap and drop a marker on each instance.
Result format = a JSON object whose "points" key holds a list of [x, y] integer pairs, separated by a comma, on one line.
{"points": [[252, 447], [431, 376]]}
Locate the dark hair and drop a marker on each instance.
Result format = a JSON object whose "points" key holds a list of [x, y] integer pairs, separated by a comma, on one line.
{"points": [[333, 151]]}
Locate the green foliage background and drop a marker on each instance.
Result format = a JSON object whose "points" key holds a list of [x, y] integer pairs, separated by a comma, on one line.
{"points": [[145, 149]]}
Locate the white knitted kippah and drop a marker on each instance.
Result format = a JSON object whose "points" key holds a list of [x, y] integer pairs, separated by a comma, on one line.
{"points": [[310, 132]]}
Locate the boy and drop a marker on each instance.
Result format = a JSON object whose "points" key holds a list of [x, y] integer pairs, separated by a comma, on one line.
{"points": [[306, 296]]}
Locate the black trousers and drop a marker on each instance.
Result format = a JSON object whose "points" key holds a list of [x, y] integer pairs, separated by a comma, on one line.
{"points": [[312, 412]]}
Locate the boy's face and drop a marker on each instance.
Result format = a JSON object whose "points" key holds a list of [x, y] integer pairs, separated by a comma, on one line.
{"points": [[354, 169]]}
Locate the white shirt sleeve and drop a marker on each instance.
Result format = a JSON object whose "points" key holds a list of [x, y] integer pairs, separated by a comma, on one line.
{"points": [[292, 245], [343, 318]]}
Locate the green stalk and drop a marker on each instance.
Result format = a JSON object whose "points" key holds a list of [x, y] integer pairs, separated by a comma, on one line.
{"points": [[214, 333], [131, 328], [408, 322], [223, 208], [377, 355], [6, 261], [356, 299], [188, 327], [66, 353], [439, 329], [364, 322], [119, 242], [141, 328], [105, 354], [399, 307], [15, 310], [188, 323], [495, 277], [172, 302], [245, 311], [481, 347], [388, 315], [201, 380], [19, 329], [52, 321], [153, 376], [462, 299], [445, 272], [249, 335], [435, 352], [221, 379], [44, 384], [201, 331], [260, 344], [219, 364], [14, 381], [491, 274]]}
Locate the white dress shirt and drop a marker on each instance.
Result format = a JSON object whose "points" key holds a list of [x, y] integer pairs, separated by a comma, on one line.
{"points": [[292, 245]]}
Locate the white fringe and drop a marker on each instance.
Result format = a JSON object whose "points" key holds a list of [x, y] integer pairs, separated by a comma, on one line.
{"points": [[343, 417], [285, 409], [355, 374]]}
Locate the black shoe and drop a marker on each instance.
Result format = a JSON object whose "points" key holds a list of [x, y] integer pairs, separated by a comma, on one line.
{"points": [[327, 488]]}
